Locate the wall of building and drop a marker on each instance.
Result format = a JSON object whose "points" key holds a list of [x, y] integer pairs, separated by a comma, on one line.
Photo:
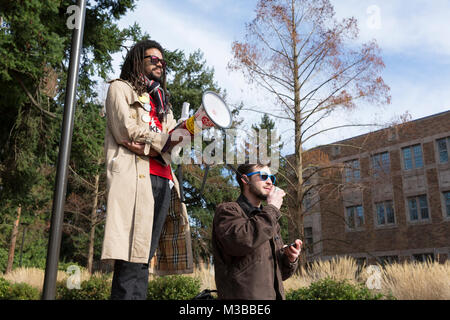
{"points": [[404, 238]]}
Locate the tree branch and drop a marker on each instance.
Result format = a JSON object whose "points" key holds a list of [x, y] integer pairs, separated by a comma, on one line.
{"points": [[338, 127], [270, 114], [34, 103]]}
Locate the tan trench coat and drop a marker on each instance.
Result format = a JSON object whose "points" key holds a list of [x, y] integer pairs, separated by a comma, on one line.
{"points": [[129, 220]]}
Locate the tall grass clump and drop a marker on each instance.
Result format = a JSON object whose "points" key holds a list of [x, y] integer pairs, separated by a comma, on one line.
{"points": [[338, 269], [35, 277], [417, 281]]}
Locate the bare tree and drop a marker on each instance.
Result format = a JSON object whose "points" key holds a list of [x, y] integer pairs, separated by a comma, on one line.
{"points": [[310, 63]]}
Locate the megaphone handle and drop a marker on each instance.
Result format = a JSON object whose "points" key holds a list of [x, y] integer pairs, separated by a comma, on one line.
{"points": [[180, 181], [204, 180]]}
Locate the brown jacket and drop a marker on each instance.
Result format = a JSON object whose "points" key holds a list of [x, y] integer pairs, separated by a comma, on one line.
{"points": [[249, 259], [129, 218]]}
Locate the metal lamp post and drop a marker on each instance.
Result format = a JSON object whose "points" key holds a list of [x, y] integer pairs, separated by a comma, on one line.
{"points": [[54, 243]]}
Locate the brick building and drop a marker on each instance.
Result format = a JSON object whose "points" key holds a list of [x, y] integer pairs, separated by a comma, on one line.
{"points": [[387, 198]]}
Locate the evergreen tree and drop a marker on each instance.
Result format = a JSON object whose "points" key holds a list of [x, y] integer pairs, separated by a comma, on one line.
{"points": [[35, 49]]}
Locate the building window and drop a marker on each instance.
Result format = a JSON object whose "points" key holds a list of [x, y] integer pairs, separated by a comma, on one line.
{"points": [[306, 203], [385, 213], [447, 203], [412, 157], [385, 260], [352, 171], [423, 257], [355, 217], [381, 164], [443, 145], [309, 240], [361, 262], [418, 208]]}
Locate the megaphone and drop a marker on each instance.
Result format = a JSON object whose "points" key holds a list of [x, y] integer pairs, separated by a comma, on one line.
{"points": [[213, 112]]}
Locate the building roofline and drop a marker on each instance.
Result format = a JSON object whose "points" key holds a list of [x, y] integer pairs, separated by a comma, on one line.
{"points": [[364, 134]]}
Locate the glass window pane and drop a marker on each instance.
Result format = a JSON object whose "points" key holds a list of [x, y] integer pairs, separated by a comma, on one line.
{"points": [[423, 207], [356, 173], [376, 165], [376, 161], [407, 158], [380, 213], [442, 149], [390, 212], [385, 161], [412, 209], [423, 202], [360, 219], [348, 174], [447, 202], [350, 218], [418, 156]]}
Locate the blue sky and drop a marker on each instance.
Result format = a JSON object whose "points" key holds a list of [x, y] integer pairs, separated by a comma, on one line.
{"points": [[414, 37]]}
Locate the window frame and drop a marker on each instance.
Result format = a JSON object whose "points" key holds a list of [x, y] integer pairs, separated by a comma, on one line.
{"points": [[418, 208], [355, 227], [447, 149], [382, 167], [411, 149], [385, 213], [350, 167], [388, 260], [423, 257]]}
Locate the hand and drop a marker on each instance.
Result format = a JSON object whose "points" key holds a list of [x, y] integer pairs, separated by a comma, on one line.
{"points": [[138, 148], [275, 197], [293, 252], [173, 142]]}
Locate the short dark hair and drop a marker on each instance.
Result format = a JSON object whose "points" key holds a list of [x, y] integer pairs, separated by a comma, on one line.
{"points": [[133, 65], [244, 169]]}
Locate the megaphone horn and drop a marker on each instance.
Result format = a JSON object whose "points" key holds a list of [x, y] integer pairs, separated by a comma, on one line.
{"points": [[213, 112]]}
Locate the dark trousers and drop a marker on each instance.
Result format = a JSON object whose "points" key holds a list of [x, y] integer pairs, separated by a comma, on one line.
{"points": [[130, 280]]}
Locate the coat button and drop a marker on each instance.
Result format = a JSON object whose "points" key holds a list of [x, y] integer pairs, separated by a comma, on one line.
{"points": [[142, 176]]}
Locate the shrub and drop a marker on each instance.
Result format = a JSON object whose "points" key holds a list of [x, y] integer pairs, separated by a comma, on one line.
{"points": [[5, 287], [175, 287], [329, 289], [96, 288], [17, 291]]}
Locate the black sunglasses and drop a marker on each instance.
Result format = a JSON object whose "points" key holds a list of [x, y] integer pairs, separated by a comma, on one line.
{"points": [[263, 175], [155, 60]]}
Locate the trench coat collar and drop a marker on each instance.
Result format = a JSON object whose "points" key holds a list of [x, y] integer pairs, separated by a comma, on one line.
{"points": [[248, 208], [135, 96]]}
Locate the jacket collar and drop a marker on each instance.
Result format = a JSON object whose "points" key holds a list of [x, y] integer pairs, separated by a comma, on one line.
{"points": [[248, 208]]}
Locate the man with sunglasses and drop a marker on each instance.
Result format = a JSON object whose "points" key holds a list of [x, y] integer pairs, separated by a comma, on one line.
{"points": [[144, 213], [250, 260]]}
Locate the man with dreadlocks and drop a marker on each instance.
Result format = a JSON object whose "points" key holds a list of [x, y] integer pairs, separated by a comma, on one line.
{"points": [[144, 211]]}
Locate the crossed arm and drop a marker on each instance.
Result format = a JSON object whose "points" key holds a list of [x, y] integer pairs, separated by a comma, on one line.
{"points": [[138, 148]]}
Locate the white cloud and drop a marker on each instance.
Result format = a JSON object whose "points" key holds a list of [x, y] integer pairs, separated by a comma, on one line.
{"points": [[403, 25], [406, 28], [178, 30]]}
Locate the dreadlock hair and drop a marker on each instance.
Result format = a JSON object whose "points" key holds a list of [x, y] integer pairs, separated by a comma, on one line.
{"points": [[133, 65]]}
